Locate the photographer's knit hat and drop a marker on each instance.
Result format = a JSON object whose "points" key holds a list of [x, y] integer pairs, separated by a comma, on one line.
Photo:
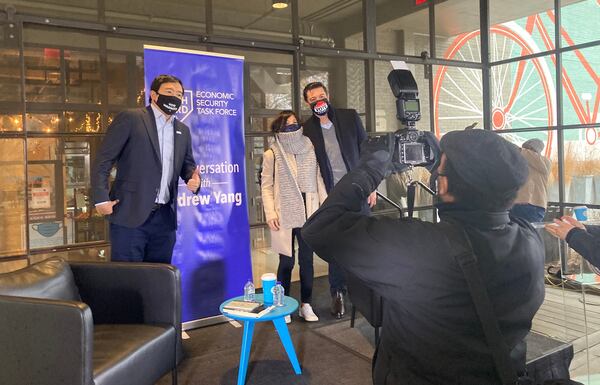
{"points": [[486, 161]]}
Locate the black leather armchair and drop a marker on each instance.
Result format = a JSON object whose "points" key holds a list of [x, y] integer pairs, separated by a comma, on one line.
{"points": [[125, 330]]}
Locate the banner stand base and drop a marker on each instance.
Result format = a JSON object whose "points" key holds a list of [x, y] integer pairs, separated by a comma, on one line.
{"points": [[199, 323]]}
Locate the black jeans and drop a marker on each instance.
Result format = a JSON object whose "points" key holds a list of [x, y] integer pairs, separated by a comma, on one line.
{"points": [[305, 260]]}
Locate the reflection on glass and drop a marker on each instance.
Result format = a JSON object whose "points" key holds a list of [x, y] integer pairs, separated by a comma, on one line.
{"points": [[345, 80], [11, 123], [182, 16], [523, 94], [581, 86], [406, 28], [261, 123], [457, 30], [140, 97], [84, 122], [83, 77], [581, 165], [332, 24], [42, 75], [91, 254], [42, 149], [385, 102], [252, 19], [255, 148], [457, 98], [61, 211], [117, 73], [12, 197], [10, 75], [270, 87], [43, 122]]}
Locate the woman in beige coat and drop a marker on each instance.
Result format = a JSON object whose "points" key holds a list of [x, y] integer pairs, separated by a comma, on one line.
{"points": [[292, 189]]}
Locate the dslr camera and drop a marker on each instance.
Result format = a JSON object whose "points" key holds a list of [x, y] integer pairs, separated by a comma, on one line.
{"points": [[412, 147]]}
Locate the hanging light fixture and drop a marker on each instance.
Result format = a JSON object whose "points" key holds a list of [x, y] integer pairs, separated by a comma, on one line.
{"points": [[280, 4]]}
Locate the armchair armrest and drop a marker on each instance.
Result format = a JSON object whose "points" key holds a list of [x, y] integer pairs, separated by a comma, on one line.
{"points": [[44, 341]]}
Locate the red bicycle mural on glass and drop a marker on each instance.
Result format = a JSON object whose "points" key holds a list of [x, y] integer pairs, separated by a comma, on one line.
{"points": [[522, 93]]}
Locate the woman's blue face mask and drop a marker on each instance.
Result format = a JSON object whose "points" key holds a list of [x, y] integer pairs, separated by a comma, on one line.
{"points": [[290, 127]]}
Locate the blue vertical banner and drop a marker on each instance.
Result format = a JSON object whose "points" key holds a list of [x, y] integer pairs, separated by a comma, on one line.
{"points": [[213, 235]]}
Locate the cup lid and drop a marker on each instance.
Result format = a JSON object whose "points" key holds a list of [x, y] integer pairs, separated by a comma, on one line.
{"points": [[268, 277]]}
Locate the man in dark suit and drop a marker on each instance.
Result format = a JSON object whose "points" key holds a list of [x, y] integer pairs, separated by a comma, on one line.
{"points": [[151, 151], [336, 135]]}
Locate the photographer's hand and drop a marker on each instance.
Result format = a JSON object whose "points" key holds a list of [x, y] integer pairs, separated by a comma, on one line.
{"points": [[436, 152], [376, 157]]}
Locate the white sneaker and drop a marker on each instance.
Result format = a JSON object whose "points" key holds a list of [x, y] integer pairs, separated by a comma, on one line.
{"points": [[306, 312], [288, 319]]}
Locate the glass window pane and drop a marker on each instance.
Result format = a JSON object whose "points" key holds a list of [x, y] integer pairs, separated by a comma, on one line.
{"points": [[171, 16], [253, 19], [521, 29], [457, 98], [328, 23], [60, 206], [580, 22], [270, 87], [83, 77], [255, 147], [523, 94], [43, 77], [261, 123], [344, 78], [117, 79], [11, 122], [402, 27], [582, 165], [457, 30], [50, 122], [78, 10], [10, 74], [12, 197], [91, 254], [53, 36], [385, 102], [84, 122], [581, 86]]}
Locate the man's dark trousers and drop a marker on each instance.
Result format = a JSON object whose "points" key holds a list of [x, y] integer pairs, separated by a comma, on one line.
{"points": [[153, 241]]}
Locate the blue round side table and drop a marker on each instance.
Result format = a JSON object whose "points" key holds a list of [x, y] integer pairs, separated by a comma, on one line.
{"points": [[276, 315]]}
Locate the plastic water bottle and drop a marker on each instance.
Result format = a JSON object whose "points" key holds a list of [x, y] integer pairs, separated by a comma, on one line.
{"points": [[278, 294], [249, 291]]}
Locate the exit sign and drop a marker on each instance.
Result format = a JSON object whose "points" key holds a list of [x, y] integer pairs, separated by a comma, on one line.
{"points": [[419, 2]]}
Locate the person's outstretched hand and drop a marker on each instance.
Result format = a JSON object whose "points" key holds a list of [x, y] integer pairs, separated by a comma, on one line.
{"points": [[561, 227]]}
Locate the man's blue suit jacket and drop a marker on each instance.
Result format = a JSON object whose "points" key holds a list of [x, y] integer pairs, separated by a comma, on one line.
{"points": [[131, 143]]}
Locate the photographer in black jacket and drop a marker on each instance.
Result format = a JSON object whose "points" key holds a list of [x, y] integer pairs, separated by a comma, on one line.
{"points": [[431, 333]]}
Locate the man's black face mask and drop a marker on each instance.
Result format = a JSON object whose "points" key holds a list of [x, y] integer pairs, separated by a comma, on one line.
{"points": [[168, 104], [320, 107]]}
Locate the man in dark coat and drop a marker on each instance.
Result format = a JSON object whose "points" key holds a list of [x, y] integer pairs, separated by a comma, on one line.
{"points": [[431, 333], [151, 150], [336, 135]]}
